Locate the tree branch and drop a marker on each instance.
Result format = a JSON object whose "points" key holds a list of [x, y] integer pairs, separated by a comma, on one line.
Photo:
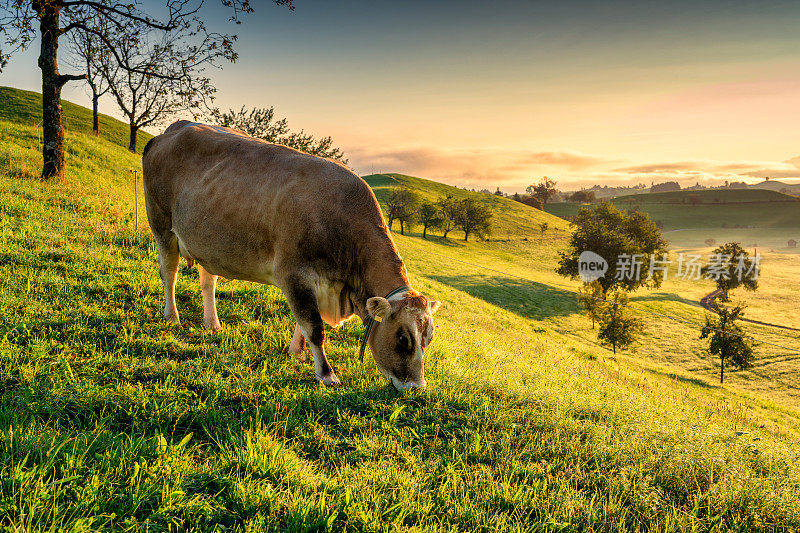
{"points": [[64, 78], [169, 26]]}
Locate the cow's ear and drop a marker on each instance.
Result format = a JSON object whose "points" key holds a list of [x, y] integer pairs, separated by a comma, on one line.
{"points": [[435, 306], [379, 308]]}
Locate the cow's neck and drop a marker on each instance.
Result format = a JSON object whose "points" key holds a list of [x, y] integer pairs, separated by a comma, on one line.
{"points": [[381, 276]]}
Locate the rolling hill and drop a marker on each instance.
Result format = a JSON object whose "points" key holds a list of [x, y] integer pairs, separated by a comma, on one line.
{"points": [[511, 219], [111, 419], [25, 107]]}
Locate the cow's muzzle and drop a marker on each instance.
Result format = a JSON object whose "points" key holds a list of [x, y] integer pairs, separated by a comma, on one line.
{"points": [[404, 386]]}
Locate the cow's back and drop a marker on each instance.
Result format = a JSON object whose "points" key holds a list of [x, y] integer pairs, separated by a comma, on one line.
{"points": [[240, 205]]}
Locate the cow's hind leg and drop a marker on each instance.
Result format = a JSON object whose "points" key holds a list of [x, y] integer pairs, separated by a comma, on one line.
{"points": [[168, 257], [298, 343], [303, 303], [208, 284]]}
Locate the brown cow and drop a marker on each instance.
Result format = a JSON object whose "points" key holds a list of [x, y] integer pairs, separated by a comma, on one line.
{"points": [[247, 209]]}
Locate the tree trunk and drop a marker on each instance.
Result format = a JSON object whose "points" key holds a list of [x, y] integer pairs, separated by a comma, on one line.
{"points": [[402, 229], [466, 236], [132, 141], [95, 117], [424, 231], [52, 124], [721, 369]]}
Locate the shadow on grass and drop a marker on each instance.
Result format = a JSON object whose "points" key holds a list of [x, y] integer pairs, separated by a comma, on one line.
{"points": [[528, 299], [682, 379], [666, 296]]}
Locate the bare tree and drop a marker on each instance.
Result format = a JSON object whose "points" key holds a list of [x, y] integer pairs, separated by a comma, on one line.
{"points": [[18, 21], [89, 54], [158, 75]]}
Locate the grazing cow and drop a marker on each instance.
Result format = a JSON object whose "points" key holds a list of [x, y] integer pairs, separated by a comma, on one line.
{"points": [[247, 209]]}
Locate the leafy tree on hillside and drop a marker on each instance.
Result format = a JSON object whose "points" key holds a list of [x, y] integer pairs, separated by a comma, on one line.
{"points": [[402, 206], [730, 266], [260, 122], [430, 217], [448, 208], [591, 298], [544, 190], [618, 328], [584, 197], [21, 21], [629, 242], [543, 227], [531, 201], [473, 218], [726, 339]]}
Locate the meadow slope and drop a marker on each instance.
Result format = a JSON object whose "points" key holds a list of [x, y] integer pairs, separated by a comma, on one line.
{"points": [[112, 419]]}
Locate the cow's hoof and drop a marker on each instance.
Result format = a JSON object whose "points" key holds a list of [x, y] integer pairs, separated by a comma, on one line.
{"points": [[214, 327], [173, 320], [330, 380]]}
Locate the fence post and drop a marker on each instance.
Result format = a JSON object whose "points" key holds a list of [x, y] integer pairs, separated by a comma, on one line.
{"points": [[136, 197]]}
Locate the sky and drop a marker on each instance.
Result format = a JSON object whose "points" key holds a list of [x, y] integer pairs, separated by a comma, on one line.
{"points": [[499, 94]]}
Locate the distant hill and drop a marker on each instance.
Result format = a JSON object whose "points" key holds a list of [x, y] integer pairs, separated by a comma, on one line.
{"points": [[511, 219], [772, 185], [26, 107], [690, 218], [706, 196]]}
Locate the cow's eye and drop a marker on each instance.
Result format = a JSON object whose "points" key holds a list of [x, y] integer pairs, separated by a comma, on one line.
{"points": [[403, 341]]}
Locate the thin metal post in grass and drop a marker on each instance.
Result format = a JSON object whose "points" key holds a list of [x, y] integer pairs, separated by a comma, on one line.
{"points": [[136, 198]]}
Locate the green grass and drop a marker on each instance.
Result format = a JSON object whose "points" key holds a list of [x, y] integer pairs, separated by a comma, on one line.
{"points": [[112, 419], [25, 107]]}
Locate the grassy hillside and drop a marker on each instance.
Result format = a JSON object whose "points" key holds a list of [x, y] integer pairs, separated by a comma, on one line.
{"points": [[511, 219], [25, 107], [112, 419]]}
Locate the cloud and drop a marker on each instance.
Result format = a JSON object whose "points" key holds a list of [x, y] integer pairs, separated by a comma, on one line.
{"points": [[476, 167], [513, 170]]}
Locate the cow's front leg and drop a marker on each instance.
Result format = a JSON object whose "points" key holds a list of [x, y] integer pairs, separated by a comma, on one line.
{"points": [[208, 284], [303, 303]]}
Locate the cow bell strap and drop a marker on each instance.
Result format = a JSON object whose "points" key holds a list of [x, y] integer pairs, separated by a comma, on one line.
{"points": [[369, 323]]}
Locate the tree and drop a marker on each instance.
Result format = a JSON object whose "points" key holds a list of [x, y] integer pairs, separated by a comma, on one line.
{"points": [[473, 218], [542, 229], [726, 338], [89, 54], [730, 266], [532, 201], [158, 75], [55, 18], [498, 192], [584, 197], [630, 243], [591, 298], [430, 217], [260, 122], [544, 190], [618, 328], [449, 208], [402, 206]]}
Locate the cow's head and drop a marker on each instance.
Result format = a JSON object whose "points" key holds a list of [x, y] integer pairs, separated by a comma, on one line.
{"points": [[403, 329]]}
